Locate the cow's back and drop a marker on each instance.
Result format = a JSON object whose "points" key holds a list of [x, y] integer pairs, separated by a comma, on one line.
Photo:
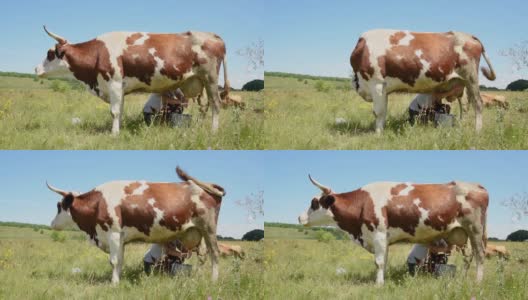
{"points": [[415, 207]]}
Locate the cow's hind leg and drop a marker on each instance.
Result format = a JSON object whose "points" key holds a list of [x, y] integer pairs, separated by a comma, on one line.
{"points": [[211, 87], [116, 104], [461, 109], [381, 254], [477, 246], [473, 94], [116, 254], [212, 247], [379, 99]]}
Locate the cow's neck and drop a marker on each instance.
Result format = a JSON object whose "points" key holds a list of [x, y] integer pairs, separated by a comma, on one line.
{"points": [[349, 211], [84, 213]]}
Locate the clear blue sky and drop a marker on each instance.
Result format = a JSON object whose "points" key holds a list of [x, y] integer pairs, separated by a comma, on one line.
{"points": [[316, 37], [24, 43], [289, 192], [25, 197]]}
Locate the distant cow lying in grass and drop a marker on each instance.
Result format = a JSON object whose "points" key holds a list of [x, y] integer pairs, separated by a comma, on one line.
{"points": [[231, 250], [494, 100], [496, 250], [226, 100]]}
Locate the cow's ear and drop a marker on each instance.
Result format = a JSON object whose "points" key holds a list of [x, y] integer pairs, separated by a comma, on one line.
{"points": [[60, 50], [327, 201], [67, 201]]}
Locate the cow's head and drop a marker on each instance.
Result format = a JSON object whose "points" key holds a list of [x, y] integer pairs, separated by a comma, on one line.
{"points": [[319, 212], [55, 63], [63, 218]]}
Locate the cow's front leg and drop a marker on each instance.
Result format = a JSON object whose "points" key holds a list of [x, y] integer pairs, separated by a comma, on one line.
{"points": [[380, 253], [116, 104], [379, 98], [116, 255]]}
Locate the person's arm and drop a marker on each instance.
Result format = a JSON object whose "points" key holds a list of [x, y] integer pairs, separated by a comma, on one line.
{"points": [[441, 247]]}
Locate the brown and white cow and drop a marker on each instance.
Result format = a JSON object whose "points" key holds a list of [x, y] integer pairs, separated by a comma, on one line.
{"points": [[383, 213], [386, 61], [118, 212], [119, 63]]}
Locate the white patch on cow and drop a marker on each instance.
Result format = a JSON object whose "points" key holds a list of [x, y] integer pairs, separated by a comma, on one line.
{"points": [[152, 51], [200, 53], [63, 220], [407, 38], [196, 191], [424, 213], [115, 42], [113, 193], [159, 212], [399, 206], [142, 39], [134, 206], [57, 68], [380, 193], [406, 190], [319, 217], [135, 56], [378, 43], [140, 189]]}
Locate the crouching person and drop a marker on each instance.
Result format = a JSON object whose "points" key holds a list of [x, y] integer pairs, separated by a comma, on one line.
{"points": [[166, 258], [159, 104], [424, 106], [418, 254]]}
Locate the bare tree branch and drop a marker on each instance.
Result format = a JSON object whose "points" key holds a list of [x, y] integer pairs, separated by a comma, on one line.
{"points": [[254, 204], [254, 53], [518, 203], [518, 54]]}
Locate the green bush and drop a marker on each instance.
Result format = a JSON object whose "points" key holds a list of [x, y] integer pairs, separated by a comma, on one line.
{"points": [[322, 86], [254, 85], [59, 86], [57, 236], [324, 236], [517, 85]]}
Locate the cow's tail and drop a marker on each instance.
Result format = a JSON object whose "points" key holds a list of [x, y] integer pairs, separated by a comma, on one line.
{"points": [[211, 188], [488, 72], [227, 87]]}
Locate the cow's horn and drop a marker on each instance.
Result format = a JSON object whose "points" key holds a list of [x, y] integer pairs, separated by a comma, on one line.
{"points": [[58, 38], [323, 188], [56, 190], [206, 186]]}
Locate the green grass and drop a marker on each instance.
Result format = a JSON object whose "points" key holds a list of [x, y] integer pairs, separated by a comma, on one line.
{"points": [[32, 266], [306, 269], [297, 116], [33, 116]]}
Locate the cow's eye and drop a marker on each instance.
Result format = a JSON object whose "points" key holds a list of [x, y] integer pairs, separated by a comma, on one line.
{"points": [[315, 204], [51, 55]]}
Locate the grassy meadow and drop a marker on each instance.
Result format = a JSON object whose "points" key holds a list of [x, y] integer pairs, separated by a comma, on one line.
{"points": [[301, 113], [303, 268], [34, 266], [35, 114]]}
